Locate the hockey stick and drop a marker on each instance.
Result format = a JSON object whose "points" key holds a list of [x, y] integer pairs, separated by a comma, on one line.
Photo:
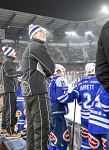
{"points": [[73, 126]]}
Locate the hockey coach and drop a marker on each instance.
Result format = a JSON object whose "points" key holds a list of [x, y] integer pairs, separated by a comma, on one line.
{"points": [[37, 66]]}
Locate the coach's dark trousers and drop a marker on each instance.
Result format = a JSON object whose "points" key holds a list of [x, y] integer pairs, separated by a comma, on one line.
{"points": [[38, 121], [9, 112]]}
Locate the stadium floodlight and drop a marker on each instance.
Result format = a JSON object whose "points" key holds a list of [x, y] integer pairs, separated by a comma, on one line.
{"points": [[105, 9], [88, 33], [71, 33]]}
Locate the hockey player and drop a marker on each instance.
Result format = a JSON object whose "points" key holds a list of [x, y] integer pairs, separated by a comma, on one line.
{"points": [[99, 121], [87, 89], [21, 106], [21, 109], [105, 105], [59, 97]]}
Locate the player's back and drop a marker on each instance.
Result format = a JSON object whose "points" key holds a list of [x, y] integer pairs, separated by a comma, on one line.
{"points": [[88, 88], [99, 119]]}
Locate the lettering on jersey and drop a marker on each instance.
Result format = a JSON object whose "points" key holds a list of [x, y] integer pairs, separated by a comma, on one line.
{"points": [[94, 82], [61, 82], [86, 87], [66, 136], [96, 112], [53, 138], [24, 112], [97, 97], [84, 132], [18, 113], [85, 81], [98, 105], [93, 142]]}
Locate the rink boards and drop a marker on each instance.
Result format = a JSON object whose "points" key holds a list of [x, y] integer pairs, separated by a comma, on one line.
{"points": [[20, 143], [12, 144]]}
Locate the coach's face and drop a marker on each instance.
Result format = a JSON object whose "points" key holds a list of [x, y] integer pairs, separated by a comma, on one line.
{"points": [[40, 35], [13, 54]]}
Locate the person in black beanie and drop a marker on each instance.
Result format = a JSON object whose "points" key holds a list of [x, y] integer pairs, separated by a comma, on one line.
{"points": [[37, 66], [10, 90]]}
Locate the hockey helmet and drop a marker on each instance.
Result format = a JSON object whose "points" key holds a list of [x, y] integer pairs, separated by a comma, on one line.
{"points": [[58, 67], [90, 69]]}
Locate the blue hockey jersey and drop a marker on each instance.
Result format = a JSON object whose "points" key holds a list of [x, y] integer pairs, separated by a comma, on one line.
{"points": [[87, 89], [21, 109], [59, 95], [104, 100], [98, 119]]}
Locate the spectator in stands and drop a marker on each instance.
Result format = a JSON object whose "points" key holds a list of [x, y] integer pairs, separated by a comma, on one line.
{"points": [[87, 89], [10, 89], [102, 57], [37, 66]]}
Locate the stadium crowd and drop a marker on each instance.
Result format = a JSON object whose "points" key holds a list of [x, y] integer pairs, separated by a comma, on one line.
{"points": [[61, 54]]}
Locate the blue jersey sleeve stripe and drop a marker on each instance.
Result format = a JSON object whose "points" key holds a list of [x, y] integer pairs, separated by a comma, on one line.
{"points": [[104, 106], [99, 124], [99, 118], [62, 96], [64, 99]]}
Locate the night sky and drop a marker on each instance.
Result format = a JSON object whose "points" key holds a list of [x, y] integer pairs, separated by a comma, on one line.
{"points": [[74, 10]]}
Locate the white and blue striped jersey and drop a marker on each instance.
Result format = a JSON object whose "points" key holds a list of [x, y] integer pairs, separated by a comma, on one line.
{"points": [[99, 119], [59, 91], [19, 94], [104, 100], [59, 95], [87, 89]]}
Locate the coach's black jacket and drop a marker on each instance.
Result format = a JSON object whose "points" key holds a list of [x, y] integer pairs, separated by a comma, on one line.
{"points": [[102, 58], [37, 65], [10, 75]]}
